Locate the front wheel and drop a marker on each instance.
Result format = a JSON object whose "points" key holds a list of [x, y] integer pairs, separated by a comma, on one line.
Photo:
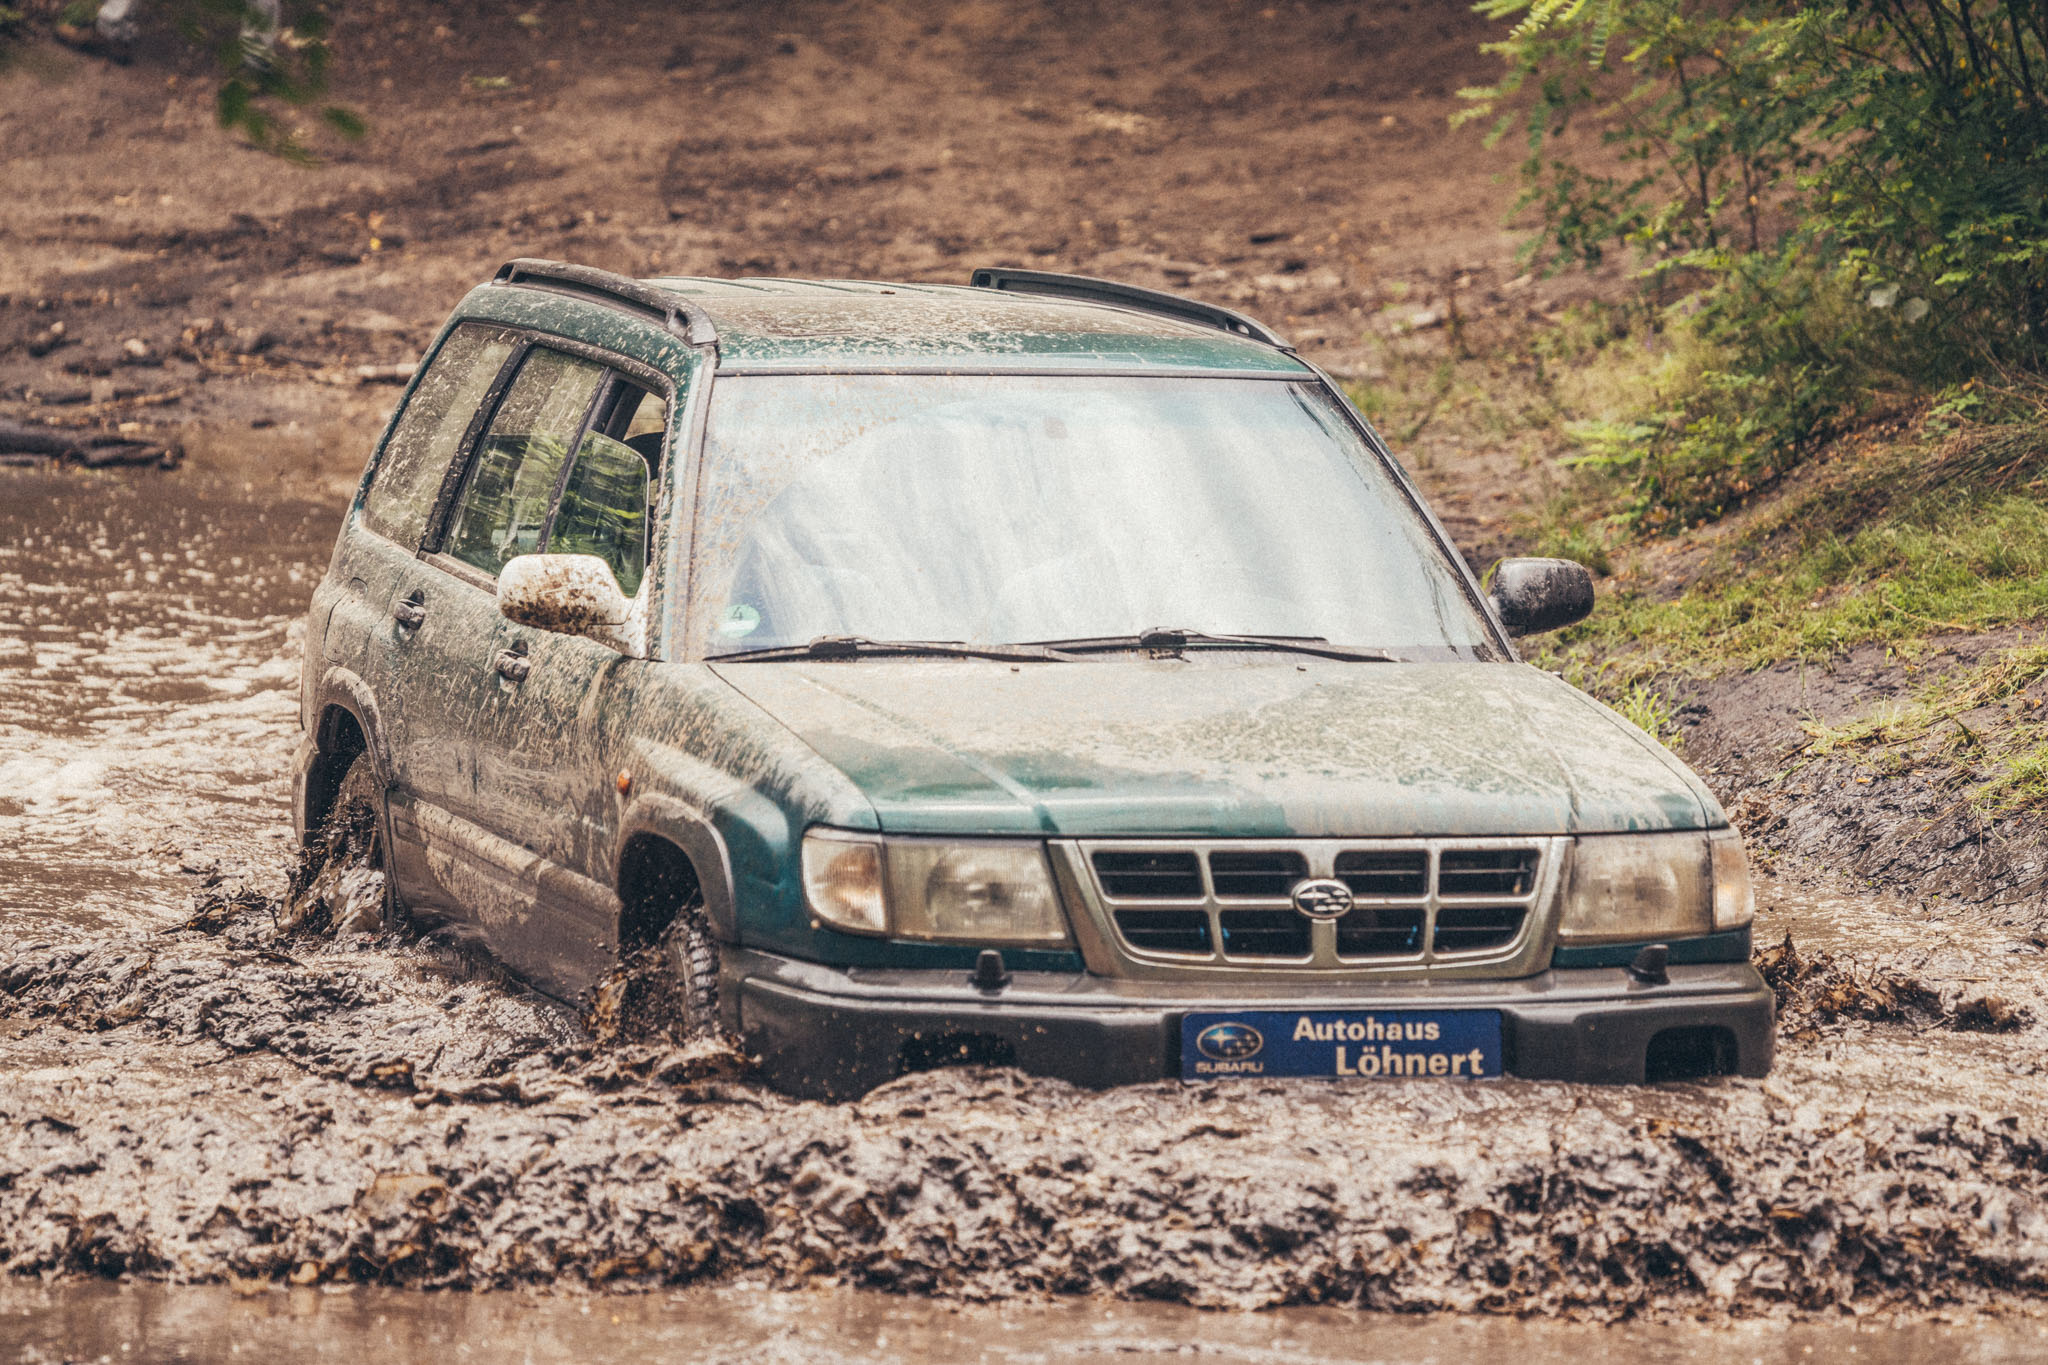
{"points": [[691, 956]]}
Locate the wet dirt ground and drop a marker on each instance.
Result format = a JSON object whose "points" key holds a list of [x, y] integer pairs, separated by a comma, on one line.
{"points": [[284, 1115]]}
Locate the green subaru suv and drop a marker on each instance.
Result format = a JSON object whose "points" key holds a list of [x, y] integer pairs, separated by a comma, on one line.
{"points": [[1043, 672]]}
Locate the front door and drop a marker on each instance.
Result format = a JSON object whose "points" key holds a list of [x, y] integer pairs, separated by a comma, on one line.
{"points": [[500, 510], [544, 805], [400, 621]]}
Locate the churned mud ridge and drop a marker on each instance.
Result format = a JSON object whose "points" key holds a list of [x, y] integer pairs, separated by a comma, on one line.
{"points": [[1819, 988], [251, 973], [233, 1101]]}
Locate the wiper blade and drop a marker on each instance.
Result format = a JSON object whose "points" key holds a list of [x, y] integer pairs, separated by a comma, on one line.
{"points": [[1173, 639], [858, 646]]}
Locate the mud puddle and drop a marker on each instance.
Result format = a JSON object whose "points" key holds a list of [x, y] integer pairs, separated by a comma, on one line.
{"points": [[148, 676], [229, 1103], [93, 1321]]}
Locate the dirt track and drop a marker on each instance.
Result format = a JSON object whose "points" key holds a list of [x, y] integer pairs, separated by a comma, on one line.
{"points": [[1292, 160]]}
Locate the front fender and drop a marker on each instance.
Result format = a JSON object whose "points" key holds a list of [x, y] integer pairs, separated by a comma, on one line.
{"points": [[689, 829]]}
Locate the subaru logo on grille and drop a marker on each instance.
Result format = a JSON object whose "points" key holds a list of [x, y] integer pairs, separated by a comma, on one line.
{"points": [[1232, 1042], [1322, 898]]}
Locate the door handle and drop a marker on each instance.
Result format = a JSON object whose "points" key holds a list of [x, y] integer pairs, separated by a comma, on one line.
{"points": [[513, 665], [410, 613]]}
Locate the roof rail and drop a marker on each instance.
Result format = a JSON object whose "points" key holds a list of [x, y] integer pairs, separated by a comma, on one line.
{"points": [[690, 323], [1125, 296]]}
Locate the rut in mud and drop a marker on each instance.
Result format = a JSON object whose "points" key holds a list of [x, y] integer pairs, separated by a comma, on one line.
{"points": [[230, 1100]]}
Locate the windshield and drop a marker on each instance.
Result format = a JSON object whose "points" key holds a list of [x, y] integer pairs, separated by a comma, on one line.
{"points": [[1001, 509]]}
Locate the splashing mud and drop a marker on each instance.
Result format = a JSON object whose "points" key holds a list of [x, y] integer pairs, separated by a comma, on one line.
{"points": [[246, 1101], [1820, 988]]}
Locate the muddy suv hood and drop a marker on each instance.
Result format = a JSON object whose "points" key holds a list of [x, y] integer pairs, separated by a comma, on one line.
{"points": [[1278, 746]]}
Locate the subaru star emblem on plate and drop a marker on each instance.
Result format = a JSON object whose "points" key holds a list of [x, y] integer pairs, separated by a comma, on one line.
{"points": [[1322, 898], [1230, 1042]]}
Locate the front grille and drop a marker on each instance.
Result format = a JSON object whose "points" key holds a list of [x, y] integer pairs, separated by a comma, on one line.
{"points": [[1468, 928], [1393, 872], [1256, 875], [1165, 931], [1415, 901], [1266, 933], [1487, 872], [1148, 876], [1381, 931]]}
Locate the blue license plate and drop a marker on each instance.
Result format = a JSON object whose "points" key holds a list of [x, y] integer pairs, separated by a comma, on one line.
{"points": [[1377, 1044]]}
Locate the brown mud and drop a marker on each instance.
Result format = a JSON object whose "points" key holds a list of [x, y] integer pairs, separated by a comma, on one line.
{"points": [[249, 1103], [196, 1093], [750, 1325]]}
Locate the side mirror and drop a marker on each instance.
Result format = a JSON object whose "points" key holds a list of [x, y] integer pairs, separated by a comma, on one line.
{"points": [[1535, 595], [569, 594]]}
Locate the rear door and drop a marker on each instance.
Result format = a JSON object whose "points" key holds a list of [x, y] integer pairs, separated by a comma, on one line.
{"points": [[390, 610]]}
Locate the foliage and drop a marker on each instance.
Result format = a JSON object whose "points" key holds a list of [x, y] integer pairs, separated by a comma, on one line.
{"points": [[1649, 710], [262, 70], [1841, 191], [267, 63]]}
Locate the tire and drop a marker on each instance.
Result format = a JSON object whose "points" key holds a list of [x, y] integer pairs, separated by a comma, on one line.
{"points": [[691, 957], [350, 837]]}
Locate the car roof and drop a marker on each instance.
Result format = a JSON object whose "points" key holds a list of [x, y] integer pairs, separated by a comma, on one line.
{"points": [[787, 325]]}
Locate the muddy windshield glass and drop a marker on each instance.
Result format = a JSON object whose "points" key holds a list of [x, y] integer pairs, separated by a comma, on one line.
{"points": [[1000, 509]]}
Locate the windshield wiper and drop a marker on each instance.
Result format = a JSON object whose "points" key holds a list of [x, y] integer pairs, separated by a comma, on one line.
{"points": [[1174, 639], [857, 646]]}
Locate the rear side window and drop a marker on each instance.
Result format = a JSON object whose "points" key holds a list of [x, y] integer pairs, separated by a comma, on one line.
{"points": [[517, 472], [429, 432]]}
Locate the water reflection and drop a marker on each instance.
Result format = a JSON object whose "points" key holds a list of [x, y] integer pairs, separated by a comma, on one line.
{"points": [[831, 1327]]}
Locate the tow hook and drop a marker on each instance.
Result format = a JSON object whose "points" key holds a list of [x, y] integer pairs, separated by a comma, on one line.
{"points": [[1647, 968], [989, 974]]}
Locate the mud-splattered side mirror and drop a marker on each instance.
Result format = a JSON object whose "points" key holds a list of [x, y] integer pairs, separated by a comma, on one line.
{"points": [[1535, 595], [570, 594]]}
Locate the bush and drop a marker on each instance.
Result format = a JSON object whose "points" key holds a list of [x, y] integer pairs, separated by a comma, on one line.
{"points": [[1841, 191]]}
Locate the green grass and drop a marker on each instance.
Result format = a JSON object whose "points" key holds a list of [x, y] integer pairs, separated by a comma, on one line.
{"points": [[1959, 560], [2018, 780]]}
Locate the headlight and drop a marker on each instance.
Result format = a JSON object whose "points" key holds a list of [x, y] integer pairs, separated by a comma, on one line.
{"points": [[1639, 886], [993, 893], [1734, 893]]}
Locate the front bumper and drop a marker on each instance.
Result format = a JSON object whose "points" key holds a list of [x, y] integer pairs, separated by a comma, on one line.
{"points": [[835, 1033]]}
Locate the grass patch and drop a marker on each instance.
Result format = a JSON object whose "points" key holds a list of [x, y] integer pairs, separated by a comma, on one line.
{"points": [[1945, 702], [1895, 549], [1983, 722], [2018, 779]]}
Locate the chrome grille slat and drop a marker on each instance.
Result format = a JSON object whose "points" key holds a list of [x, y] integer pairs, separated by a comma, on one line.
{"points": [[1418, 903]]}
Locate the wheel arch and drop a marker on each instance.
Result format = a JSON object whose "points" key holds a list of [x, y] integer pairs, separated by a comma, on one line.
{"points": [[656, 828], [346, 724]]}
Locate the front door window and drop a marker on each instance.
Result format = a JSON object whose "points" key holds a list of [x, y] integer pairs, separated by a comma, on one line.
{"points": [[517, 472]]}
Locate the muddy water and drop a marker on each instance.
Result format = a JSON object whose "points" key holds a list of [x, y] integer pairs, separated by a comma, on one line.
{"points": [[148, 668], [146, 1322], [330, 1127]]}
